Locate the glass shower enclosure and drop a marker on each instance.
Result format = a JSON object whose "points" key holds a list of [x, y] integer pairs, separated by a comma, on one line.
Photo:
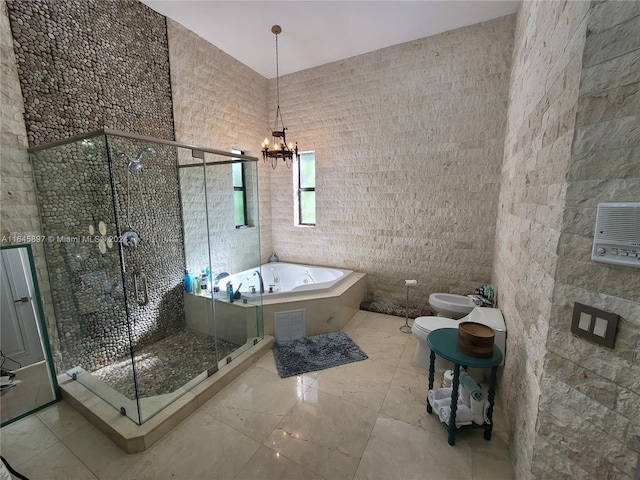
{"points": [[124, 217]]}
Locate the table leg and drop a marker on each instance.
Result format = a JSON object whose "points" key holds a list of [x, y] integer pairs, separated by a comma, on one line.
{"points": [[492, 392], [455, 384], [432, 371]]}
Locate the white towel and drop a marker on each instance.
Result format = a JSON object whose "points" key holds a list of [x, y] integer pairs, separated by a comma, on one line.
{"points": [[441, 397], [464, 415], [438, 394], [478, 410], [438, 405]]}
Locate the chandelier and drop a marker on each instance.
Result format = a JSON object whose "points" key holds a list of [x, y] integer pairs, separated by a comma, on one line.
{"points": [[278, 147]]}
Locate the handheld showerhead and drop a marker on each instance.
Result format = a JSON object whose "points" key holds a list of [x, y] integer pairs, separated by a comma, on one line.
{"points": [[135, 165], [147, 150]]}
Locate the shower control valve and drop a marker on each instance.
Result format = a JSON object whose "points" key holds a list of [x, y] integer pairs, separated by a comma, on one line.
{"points": [[130, 239]]}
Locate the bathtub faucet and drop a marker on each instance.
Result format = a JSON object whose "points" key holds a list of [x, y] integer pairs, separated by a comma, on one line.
{"points": [[220, 277], [257, 272]]}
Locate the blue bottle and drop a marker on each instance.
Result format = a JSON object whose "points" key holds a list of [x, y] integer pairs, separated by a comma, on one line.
{"points": [[230, 292], [188, 282]]}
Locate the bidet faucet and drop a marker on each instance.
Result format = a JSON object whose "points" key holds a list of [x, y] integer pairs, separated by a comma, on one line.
{"points": [[257, 272]]}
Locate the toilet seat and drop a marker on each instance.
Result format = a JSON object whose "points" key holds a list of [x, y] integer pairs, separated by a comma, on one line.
{"points": [[429, 324]]}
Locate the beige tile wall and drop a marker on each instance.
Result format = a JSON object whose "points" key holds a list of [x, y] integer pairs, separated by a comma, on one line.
{"points": [[542, 99], [408, 143], [571, 142], [220, 103], [589, 391]]}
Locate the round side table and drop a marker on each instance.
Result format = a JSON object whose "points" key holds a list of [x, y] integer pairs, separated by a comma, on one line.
{"points": [[443, 342]]}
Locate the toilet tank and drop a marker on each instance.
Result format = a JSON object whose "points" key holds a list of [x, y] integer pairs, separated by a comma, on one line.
{"points": [[491, 317]]}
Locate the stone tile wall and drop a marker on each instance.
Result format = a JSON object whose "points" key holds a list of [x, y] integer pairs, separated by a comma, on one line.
{"points": [[571, 142], [232, 250], [590, 404], [408, 143], [545, 78], [221, 103]]}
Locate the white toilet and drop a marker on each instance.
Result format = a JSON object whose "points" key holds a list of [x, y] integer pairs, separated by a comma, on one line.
{"points": [[423, 326]]}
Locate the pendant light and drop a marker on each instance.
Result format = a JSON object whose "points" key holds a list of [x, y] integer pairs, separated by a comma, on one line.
{"points": [[278, 148]]}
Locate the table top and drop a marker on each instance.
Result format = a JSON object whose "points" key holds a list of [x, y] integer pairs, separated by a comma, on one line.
{"points": [[444, 342]]}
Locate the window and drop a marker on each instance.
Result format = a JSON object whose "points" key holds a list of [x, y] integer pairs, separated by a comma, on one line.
{"points": [[306, 184], [239, 192]]}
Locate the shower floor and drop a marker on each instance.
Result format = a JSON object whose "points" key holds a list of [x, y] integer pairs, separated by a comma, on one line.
{"points": [[166, 365]]}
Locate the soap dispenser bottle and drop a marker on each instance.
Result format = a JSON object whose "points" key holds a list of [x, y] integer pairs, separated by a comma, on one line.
{"points": [[188, 282], [204, 282]]}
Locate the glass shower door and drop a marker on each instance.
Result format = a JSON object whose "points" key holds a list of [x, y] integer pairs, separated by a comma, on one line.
{"points": [[148, 208], [75, 200], [234, 244]]}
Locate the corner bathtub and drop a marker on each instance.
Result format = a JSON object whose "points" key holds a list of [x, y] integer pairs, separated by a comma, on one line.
{"points": [[330, 297], [285, 279]]}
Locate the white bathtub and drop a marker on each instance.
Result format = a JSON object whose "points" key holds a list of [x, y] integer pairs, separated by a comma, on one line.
{"points": [[285, 279]]}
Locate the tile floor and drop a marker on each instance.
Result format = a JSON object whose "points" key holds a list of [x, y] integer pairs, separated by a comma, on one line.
{"points": [[34, 391], [364, 420]]}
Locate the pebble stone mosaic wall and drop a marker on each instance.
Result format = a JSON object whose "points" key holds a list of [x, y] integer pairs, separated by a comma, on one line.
{"points": [[84, 65], [74, 193], [19, 210]]}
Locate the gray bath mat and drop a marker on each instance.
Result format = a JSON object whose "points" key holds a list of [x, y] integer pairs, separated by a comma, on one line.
{"points": [[309, 354]]}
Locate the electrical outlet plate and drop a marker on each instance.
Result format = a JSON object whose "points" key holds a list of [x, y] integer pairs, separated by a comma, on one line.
{"points": [[595, 325]]}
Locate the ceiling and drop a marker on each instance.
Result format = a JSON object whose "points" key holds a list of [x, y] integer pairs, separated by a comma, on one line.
{"points": [[319, 32]]}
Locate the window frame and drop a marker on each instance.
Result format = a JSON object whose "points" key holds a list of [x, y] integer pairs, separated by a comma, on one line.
{"points": [[242, 188], [300, 190]]}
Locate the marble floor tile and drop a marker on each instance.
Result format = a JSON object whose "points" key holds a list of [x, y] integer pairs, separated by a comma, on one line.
{"points": [[267, 464], [382, 322], [55, 463], [363, 420], [380, 345], [24, 439], [406, 398], [355, 322], [365, 383], [105, 459], [399, 450], [324, 433], [267, 362], [201, 447], [257, 401], [62, 419], [406, 360], [34, 391], [490, 459]]}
